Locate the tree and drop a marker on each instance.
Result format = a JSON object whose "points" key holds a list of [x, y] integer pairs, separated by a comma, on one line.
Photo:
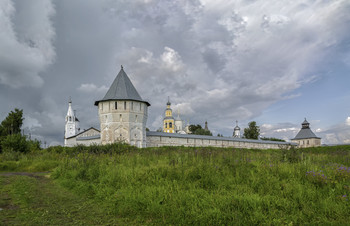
{"points": [[198, 130], [15, 143], [252, 132], [12, 123], [272, 139], [194, 128]]}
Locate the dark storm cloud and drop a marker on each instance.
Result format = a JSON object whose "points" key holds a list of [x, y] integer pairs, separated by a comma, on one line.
{"points": [[217, 60]]}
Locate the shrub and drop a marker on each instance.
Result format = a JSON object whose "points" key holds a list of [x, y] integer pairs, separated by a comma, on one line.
{"points": [[34, 145], [291, 155], [56, 149], [15, 143]]}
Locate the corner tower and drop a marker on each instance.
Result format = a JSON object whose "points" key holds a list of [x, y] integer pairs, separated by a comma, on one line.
{"points": [[168, 121], [123, 113], [306, 138]]}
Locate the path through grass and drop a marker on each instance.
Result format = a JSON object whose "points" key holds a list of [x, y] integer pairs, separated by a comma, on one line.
{"points": [[34, 199]]}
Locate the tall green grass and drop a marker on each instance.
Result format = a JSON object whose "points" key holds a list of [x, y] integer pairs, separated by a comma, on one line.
{"points": [[177, 185]]}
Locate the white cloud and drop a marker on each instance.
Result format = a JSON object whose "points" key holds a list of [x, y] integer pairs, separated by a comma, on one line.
{"points": [[347, 121], [26, 42], [337, 134], [284, 131], [171, 59], [92, 88]]}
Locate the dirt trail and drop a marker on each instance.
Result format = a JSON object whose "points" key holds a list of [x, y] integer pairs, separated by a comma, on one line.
{"points": [[36, 175], [28, 198]]}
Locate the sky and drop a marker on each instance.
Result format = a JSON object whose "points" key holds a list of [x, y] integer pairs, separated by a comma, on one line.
{"points": [[275, 62]]}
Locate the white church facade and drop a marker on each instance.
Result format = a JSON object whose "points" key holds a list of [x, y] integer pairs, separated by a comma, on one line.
{"points": [[123, 116]]}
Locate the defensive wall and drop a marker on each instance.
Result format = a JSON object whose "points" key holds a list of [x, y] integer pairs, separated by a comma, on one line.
{"points": [[159, 139]]}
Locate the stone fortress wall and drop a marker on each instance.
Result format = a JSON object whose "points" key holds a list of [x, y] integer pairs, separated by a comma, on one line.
{"points": [[159, 139]]}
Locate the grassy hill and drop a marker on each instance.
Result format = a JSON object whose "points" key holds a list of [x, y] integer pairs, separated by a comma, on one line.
{"points": [[178, 185]]}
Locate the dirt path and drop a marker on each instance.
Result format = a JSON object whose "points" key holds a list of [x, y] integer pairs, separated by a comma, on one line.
{"points": [[36, 175]]}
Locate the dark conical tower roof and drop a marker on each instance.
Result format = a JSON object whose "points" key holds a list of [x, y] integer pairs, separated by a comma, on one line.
{"points": [[122, 89]]}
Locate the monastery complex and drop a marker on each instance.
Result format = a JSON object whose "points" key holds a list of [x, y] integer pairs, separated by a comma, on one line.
{"points": [[123, 116]]}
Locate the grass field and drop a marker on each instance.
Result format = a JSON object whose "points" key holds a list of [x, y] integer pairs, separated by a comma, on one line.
{"points": [[119, 184]]}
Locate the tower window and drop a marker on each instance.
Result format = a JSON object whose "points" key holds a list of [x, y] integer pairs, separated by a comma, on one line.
{"points": [[124, 105], [140, 106], [116, 105], [166, 125], [170, 125], [132, 105]]}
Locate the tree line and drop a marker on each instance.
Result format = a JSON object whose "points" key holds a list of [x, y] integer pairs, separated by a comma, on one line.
{"points": [[251, 132]]}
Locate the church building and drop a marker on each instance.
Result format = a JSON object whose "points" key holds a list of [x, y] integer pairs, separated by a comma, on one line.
{"points": [[72, 123]]}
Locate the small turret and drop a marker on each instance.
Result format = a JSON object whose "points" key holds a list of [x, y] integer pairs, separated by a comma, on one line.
{"points": [[237, 131], [206, 126]]}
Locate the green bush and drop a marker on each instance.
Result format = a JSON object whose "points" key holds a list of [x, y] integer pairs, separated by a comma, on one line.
{"points": [[15, 143], [34, 145]]}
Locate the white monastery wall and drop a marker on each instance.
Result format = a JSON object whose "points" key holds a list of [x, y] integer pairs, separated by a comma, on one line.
{"points": [[88, 142], [156, 140]]}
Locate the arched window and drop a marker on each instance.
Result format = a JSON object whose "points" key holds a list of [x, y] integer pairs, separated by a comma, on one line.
{"points": [[124, 105], [166, 125], [170, 125], [116, 105]]}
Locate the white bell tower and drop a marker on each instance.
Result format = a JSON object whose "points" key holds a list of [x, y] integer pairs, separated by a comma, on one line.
{"points": [[72, 123]]}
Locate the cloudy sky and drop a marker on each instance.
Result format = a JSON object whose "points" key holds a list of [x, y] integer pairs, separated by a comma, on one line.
{"points": [[272, 61]]}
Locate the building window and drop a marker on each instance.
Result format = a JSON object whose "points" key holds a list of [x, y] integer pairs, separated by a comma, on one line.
{"points": [[124, 105], [132, 105], [166, 125], [116, 105], [170, 125], [140, 106]]}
